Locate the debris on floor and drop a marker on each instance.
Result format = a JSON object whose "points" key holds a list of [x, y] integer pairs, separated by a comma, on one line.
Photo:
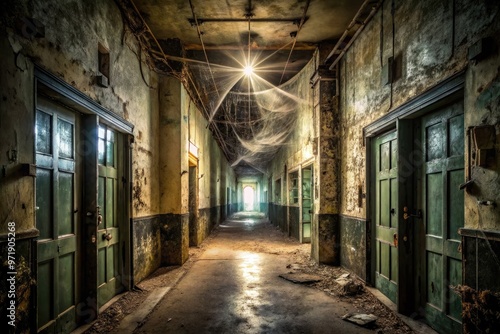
{"points": [[271, 240], [294, 266], [361, 319], [348, 285], [300, 278]]}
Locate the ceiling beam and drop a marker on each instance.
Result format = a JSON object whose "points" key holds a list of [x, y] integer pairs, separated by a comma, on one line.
{"points": [[202, 20], [298, 46]]}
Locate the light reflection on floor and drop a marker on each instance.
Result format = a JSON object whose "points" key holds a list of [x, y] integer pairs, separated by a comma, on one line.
{"points": [[250, 300]]}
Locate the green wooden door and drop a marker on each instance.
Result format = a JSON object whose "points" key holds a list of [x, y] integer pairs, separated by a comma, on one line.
{"points": [[56, 218], [307, 204], [443, 208], [108, 233], [385, 157]]}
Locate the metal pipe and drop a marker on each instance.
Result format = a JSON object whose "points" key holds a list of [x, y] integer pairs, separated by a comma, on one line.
{"points": [[204, 50], [372, 12], [232, 20], [207, 115], [151, 34], [302, 20], [215, 128]]}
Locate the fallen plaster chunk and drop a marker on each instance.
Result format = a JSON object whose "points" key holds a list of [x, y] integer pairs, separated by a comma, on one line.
{"points": [[360, 319], [301, 278], [348, 285], [294, 266]]}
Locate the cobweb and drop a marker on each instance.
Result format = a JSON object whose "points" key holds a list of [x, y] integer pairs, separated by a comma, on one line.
{"points": [[255, 117]]}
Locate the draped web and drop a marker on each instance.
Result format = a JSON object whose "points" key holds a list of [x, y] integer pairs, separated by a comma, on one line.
{"points": [[254, 117]]}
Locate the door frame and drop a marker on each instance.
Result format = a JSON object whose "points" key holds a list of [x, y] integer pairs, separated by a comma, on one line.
{"points": [[308, 164], [91, 113], [400, 119]]}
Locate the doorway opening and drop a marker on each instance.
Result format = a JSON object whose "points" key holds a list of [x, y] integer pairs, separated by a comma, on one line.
{"points": [[416, 170], [194, 238], [248, 199]]}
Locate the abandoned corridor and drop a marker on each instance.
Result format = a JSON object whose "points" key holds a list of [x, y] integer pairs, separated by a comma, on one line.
{"points": [[234, 287]]}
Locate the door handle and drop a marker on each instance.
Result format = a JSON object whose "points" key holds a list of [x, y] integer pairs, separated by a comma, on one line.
{"points": [[107, 236], [407, 214]]}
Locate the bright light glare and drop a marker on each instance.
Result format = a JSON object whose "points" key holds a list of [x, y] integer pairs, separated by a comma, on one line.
{"points": [[248, 70], [248, 198]]}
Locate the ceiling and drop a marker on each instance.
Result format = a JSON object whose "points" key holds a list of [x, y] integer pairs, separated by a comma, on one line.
{"points": [[219, 36]]}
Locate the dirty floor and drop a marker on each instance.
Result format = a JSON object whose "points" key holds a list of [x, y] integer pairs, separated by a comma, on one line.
{"points": [[234, 283]]}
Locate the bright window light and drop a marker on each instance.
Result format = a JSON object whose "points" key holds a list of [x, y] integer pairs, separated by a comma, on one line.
{"points": [[248, 198]]}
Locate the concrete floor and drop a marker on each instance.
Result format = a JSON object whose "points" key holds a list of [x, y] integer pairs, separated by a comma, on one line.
{"points": [[234, 287]]}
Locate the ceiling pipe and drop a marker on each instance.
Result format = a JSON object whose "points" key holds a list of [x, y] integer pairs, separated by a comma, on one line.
{"points": [[202, 20], [165, 60], [203, 46], [355, 20], [294, 35]]}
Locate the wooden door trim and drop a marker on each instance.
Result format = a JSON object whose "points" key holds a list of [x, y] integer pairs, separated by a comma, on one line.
{"points": [[419, 105], [70, 96]]}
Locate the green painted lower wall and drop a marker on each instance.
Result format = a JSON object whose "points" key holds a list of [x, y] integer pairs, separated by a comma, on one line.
{"points": [[205, 222], [278, 216], [147, 246], [354, 249], [328, 241], [294, 221], [174, 229]]}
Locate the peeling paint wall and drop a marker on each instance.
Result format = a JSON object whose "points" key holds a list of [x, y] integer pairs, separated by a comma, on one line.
{"points": [[182, 123], [69, 50], [214, 173], [300, 146], [429, 42]]}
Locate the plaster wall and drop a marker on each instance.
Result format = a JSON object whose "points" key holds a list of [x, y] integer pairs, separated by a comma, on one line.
{"points": [[69, 49], [429, 41], [299, 147], [214, 172]]}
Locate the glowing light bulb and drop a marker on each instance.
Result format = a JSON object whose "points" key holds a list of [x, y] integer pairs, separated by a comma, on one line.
{"points": [[248, 70]]}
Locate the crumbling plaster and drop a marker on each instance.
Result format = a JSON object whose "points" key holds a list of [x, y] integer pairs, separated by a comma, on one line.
{"points": [[69, 49], [299, 148], [429, 46]]}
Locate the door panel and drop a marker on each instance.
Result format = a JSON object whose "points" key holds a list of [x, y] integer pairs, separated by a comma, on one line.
{"points": [[108, 233], [443, 207], [56, 218], [307, 204], [385, 150]]}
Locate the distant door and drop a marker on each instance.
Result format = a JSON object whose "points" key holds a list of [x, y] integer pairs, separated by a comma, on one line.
{"points": [[307, 204], [385, 157], [57, 184], [228, 202], [443, 214], [249, 198], [108, 231], [194, 239]]}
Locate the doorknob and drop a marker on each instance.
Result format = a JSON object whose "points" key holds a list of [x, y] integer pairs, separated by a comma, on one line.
{"points": [[107, 236], [407, 214]]}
